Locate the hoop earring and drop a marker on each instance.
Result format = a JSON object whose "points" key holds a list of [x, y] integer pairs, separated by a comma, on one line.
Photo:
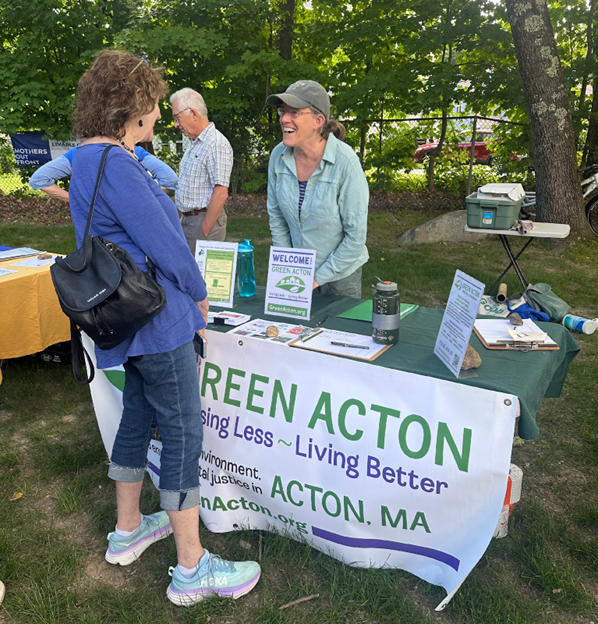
{"points": [[141, 123]]}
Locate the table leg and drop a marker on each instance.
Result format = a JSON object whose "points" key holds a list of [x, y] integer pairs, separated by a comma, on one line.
{"points": [[513, 263]]}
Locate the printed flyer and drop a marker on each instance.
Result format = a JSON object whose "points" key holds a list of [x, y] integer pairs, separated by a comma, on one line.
{"points": [[217, 262], [290, 282], [457, 323]]}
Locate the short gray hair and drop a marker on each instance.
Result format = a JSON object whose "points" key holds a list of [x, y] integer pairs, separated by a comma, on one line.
{"points": [[188, 98]]}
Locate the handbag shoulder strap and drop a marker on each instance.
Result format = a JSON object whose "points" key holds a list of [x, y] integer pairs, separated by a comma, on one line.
{"points": [[95, 194], [79, 355], [87, 242]]}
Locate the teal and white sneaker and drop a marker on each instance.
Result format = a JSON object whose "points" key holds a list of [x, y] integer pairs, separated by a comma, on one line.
{"points": [[214, 576], [125, 550]]}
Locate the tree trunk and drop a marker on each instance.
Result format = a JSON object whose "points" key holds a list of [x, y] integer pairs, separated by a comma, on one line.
{"points": [[559, 197], [362, 137], [588, 61], [432, 154], [590, 152], [285, 37]]}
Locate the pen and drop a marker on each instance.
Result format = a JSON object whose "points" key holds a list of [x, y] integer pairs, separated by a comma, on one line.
{"points": [[346, 344], [323, 320]]}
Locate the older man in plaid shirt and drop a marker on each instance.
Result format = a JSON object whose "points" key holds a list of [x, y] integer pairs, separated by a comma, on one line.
{"points": [[204, 172]]}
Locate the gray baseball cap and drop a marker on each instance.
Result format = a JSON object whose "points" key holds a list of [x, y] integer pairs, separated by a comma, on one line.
{"points": [[302, 94]]}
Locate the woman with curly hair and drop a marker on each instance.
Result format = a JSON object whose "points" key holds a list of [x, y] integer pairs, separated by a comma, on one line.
{"points": [[117, 104]]}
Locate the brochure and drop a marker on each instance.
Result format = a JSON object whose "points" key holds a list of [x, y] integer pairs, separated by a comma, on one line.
{"points": [[217, 262], [457, 322], [258, 329], [227, 318]]}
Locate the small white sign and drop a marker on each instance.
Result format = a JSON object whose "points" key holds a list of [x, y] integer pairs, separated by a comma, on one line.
{"points": [[58, 148], [217, 262], [290, 282], [457, 322]]}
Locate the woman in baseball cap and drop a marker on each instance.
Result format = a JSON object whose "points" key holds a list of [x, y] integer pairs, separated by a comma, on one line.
{"points": [[317, 191]]}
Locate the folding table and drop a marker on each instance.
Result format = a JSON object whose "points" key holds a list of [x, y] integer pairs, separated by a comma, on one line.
{"points": [[541, 230], [32, 319]]}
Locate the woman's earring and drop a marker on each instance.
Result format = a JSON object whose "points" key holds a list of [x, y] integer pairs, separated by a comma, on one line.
{"points": [[141, 123]]}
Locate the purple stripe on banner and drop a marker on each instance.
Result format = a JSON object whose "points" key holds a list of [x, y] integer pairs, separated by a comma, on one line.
{"points": [[355, 542], [153, 468]]}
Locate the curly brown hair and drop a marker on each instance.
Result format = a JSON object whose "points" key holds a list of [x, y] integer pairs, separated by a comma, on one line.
{"points": [[117, 87]]}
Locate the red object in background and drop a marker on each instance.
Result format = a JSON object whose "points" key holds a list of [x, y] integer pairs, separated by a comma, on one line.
{"points": [[481, 151]]}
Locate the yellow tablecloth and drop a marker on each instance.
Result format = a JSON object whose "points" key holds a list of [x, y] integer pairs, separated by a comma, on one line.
{"points": [[31, 318]]}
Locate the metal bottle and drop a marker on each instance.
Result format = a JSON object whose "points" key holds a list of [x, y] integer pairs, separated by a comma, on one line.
{"points": [[386, 312]]}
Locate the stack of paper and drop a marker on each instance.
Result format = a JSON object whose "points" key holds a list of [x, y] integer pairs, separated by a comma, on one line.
{"points": [[19, 252], [501, 333], [505, 190], [227, 318]]}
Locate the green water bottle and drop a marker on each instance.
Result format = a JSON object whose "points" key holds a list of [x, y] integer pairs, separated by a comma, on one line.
{"points": [[386, 312]]}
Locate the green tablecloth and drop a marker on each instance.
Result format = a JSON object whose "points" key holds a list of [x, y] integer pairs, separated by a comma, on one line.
{"points": [[530, 376]]}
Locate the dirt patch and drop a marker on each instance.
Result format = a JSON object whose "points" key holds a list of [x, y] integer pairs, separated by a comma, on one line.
{"points": [[95, 570], [5, 416], [383, 201], [36, 210], [46, 211]]}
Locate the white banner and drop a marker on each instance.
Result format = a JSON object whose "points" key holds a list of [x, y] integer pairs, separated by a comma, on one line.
{"points": [[374, 466]]}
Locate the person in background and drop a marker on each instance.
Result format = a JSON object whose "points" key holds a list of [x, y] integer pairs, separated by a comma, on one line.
{"points": [[117, 104], [45, 178], [204, 173], [317, 192]]}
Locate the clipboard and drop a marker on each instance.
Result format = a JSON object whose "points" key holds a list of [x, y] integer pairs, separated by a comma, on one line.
{"points": [[516, 346], [321, 343]]}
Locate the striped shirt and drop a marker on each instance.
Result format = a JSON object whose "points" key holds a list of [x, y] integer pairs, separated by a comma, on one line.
{"points": [[302, 186], [207, 161]]}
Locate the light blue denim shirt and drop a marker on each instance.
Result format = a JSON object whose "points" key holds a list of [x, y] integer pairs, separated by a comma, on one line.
{"points": [[62, 166], [334, 212]]}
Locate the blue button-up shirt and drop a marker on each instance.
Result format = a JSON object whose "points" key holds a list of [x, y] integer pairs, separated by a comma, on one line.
{"points": [[333, 217]]}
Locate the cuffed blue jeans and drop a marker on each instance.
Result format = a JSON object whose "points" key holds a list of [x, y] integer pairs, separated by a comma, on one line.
{"points": [[164, 388]]}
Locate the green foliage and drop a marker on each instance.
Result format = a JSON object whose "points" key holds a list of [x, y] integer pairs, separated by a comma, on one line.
{"points": [[388, 59], [452, 172], [46, 45], [387, 154], [8, 162]]}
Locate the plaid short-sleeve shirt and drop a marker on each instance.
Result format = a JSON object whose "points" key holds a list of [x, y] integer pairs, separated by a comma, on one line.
{"points": [[207, 161]]}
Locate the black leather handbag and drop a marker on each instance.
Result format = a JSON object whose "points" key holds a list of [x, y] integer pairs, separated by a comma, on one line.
{"points": [[103, 291]]}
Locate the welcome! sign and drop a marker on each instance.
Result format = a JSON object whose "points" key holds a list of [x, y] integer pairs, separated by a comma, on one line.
{"points": [[290, 282]]}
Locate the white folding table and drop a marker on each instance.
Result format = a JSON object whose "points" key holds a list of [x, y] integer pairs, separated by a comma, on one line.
{"points": [[541, 230]]}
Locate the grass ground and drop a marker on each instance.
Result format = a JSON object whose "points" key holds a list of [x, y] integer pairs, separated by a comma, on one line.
{"points": [[52, 538]]}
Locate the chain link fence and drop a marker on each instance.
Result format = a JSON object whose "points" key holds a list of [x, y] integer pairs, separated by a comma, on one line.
{"points": [[13, 179], [394, 153]]}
